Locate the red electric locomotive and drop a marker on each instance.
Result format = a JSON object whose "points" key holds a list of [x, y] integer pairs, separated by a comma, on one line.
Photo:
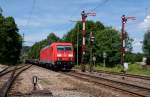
{"points": [[57, 56]]}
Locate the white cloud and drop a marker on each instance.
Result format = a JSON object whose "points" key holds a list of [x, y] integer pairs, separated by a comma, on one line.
{"points": [[137, 45], [42, 21], [137, 42], [24, 22], [35, 37], [146, 23], [31, 38]]}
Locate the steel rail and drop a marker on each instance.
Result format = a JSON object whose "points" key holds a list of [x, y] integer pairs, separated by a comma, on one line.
{"points": [[7, 85], [5, 71], [129, 88], [124, 74]]}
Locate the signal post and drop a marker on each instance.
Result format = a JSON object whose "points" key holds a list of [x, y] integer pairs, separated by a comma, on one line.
{"points": [[123, 37], [84, 16], [92, 38]]}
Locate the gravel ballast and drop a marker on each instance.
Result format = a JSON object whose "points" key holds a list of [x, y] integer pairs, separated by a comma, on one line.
{"points": [[60, 85]]}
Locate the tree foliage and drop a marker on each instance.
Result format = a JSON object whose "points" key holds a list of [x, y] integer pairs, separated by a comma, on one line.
{"points": [[71, 36], [107, 40], [134, 57], [35, 49], [10, 41], [146, 46], [146, 43]]}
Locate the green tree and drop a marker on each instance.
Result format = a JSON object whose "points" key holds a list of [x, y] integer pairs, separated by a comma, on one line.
{"points": [[10, 41], [128, 41], [146, 43], [71, 36], [108, 41], [52, 38], [146, 46], [34, 51]]}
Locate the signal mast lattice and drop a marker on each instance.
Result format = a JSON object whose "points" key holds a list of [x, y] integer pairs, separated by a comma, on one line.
{"points": [[84, 16], [123, 36]]}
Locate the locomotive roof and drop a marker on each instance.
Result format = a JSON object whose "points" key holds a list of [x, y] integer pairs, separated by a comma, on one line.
{"points": [[57, 43], [61, 43]]}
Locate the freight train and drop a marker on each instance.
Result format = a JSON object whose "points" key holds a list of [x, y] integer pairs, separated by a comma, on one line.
{"points": [[58, 55]]}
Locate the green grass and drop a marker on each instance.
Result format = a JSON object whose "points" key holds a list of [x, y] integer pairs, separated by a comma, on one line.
{"points": [[133, 69], [111, 69], [138, 69]]}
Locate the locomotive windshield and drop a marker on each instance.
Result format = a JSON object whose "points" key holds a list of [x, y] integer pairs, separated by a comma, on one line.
{"points": [[64, 48]]}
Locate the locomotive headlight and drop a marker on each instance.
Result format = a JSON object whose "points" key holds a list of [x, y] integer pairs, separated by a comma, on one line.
{"points": [[59, 59], [59, 55], [70, 59], [70, 55]]}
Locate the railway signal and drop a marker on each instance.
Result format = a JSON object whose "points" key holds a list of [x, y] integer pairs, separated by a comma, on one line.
{"points": [[84, 16], [92, 39], [123, 36]]}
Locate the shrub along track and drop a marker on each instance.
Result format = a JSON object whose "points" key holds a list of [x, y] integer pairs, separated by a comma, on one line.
{"points": [[136, 91], [14, 73]]}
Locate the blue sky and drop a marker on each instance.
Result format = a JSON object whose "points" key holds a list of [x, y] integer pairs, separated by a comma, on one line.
{"points": [[37, 18]]}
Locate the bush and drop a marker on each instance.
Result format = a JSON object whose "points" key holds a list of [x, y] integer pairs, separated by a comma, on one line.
{"points": [[148, 60]]}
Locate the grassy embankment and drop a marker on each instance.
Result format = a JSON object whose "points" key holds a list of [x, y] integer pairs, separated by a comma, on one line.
{"points": [[132, 69]]}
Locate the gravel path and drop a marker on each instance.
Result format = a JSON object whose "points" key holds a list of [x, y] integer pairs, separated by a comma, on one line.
{"points": [[59, 85]]}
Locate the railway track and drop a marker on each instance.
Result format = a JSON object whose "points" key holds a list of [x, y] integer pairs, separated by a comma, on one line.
{"points": [[14, 73], [136, 91], [4, 69], [10, 69], [125, 75]]}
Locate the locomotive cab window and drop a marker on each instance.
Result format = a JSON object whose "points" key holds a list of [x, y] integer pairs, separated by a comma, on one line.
{"points": [[68, 48], [64, 48], [60, 48]]}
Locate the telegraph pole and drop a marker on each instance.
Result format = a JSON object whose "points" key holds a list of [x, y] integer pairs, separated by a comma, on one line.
{"points": [[84, 16], [77, 40], [123, 36], [78, 46], [23, 38], [22, 54]]}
